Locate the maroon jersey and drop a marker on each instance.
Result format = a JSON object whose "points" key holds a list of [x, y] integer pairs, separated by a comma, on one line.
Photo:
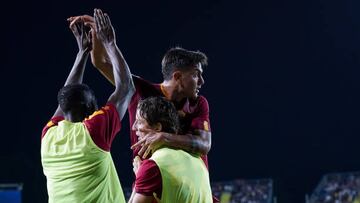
{"points": [[194, 114]]}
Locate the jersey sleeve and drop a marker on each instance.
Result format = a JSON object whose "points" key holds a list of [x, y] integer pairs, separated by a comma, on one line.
{"points": [[103, 125], [201, 121], [53, 122], [148, 179]]}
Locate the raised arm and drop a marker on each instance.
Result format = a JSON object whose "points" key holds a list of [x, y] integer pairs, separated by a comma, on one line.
{"points": [[124, 86], [99, 57], [83, 40]]}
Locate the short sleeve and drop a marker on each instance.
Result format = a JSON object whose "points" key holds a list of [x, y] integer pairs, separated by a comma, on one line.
{"points": [[148, 179], [53, 122], [201, 121], [103, 125]]}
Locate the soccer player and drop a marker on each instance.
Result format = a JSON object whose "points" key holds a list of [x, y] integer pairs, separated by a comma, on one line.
{"points": [[75, 144], [169, 175]]}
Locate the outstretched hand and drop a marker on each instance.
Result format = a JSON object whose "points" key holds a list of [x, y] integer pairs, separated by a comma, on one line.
{"points": [[104, 29], [151, 141], [83, 37]]}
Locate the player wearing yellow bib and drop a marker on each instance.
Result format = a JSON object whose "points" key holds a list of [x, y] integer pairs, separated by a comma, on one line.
{"points": [[169, 175], [75, 144]]}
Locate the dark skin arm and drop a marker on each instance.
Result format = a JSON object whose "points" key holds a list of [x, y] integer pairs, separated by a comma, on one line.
{"points": [[83, 40], [197, 143], [124, 86]]}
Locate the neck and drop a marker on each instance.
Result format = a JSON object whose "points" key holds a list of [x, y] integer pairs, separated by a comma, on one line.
{"points": [[171, 91], [73, 117]]}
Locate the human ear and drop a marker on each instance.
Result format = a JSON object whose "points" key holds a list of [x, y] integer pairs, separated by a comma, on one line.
{"points": [[177, 75], [157, 127]]}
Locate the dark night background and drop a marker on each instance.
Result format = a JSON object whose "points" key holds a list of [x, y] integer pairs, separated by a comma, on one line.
{"points": [[282, 83]]}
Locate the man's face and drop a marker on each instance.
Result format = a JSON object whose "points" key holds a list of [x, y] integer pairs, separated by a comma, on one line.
{"points": [[141, 126], [191, 81]]}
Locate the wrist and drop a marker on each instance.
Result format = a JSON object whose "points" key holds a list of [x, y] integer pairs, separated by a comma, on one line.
{"points": [[165, 138], [111, 45], [83, 52]]}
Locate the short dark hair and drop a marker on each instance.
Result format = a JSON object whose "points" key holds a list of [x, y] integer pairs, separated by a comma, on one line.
{"points": [[159, 110], [77, 97], [180, 59]]}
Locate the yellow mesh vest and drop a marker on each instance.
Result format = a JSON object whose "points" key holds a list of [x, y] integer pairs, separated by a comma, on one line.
{"points": [[76, 169], [185, 178]]}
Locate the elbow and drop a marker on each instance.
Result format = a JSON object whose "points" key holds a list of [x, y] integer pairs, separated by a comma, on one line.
{"points": [[205, 142], [205, 149], [208, 148], [127, 90], [131, 89]]}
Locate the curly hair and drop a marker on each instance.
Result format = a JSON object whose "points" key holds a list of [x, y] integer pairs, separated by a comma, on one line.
{"points": [[159, 110], [181, 59], [77, 97]]}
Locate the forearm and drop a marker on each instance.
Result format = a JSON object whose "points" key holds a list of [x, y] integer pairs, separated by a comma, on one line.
{"points": [[124, 86], [77, 71], [197, 144], [132, 196], [101, 60], [121, 73]]}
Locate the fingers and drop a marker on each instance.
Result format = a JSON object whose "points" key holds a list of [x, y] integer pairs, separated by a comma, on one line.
{"points": [[99, 19], [80, 27], [143, 150], [107, 19], [90, 35], [88, 20], [136, 164], [75, 29], [147, 152], [138, 144], [71, 18], [102, 20], [74, 20], [137, 159], [146, 148], [85, 18], [92, 25]]}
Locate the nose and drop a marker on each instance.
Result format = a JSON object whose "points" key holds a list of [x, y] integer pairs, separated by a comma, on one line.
{"points": [[134, 127], [201, 81]]}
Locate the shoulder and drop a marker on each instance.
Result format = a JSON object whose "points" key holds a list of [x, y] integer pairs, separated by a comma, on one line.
{"points": [[200, 103], [108, 109], [202, 100], [148, 164], [145, 88], [140, 81], [148, 170], [52, 123]]}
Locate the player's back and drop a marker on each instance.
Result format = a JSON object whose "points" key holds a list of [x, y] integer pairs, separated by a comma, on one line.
{"points": [[77, 170]]}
